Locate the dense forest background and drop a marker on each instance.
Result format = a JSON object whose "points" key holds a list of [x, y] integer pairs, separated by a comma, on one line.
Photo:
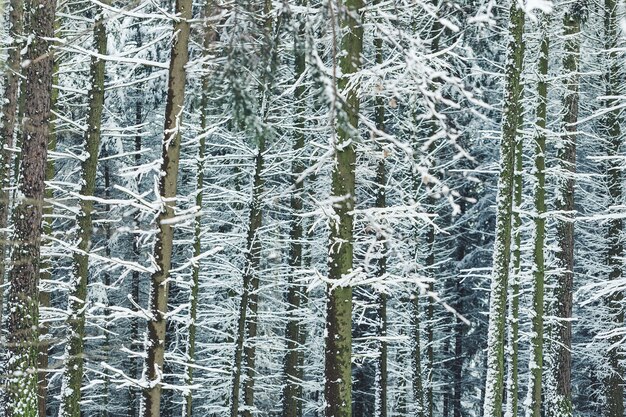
{"points": [[307, 208]]}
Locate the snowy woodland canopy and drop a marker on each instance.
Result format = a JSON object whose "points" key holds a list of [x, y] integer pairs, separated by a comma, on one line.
{"points": [[308, 208]]}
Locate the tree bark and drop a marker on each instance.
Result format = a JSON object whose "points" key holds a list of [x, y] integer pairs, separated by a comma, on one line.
{"points": [[46, 267], [416, 354], [338, 337], [536, 357], [613, 382], [513, 357], [566, 159], [245, 353], [381, 270], [73, 370], [167, 189], [292, 391], [209, 37], [7, 127], [135, 343], [22, 338], [494, 384]]}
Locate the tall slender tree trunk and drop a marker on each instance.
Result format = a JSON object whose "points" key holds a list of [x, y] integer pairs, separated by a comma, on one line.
{"points": [[106, 347], [135, 290], [494, 384], [249, 298], [536, 357], [512, 384], [7, 128], [614, 384], [209, 37], [22, 336], [416, 354], [245, 353], [253, 261], [167, 190], [338, 337], [74, 364], [457, 370], [436, 32], [566, 159], [381, 270], [46, 267], [292, 391]]}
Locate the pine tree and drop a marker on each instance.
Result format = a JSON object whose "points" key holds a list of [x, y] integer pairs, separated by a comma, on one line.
{"points": [[536, 357], [338, 337], [292, 391], [494, 383], [73, 370], [208, 39], [7, 125], [22, 339], [155, 348], [611, 128], [561, 369]]}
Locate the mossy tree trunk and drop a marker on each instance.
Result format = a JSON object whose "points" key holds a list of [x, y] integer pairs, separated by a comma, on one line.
{"points": [[46, 266], [208, 39], [338, 337], [74, 358], [494, 385], [167, 189], [513, 357], [536, 356], [22, 336], [561, 369]]}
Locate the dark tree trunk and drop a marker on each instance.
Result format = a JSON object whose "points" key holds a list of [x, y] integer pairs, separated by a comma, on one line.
{"points": [[22, 336]]}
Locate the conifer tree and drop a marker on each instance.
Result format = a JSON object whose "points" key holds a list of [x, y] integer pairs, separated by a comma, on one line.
{"points": [[155, 347], [561, 369], [22, 338], [338, 337], [8, 124], [494, 383], [614, 386], [74, 362]]}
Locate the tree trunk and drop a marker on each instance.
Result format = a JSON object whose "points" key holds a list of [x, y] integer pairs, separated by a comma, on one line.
{"points": [[46, 267], [494, 384], [566, 159], [292, 391], [249, 298], [22, 336], [436, 31], [135, 343], [245, 353], [107, 283], [513, 358], [536, 356], [338, 337], [73, 370], [209, 37], [381, 202], [613, 382], [418, 389], [457, 369], [167, 189], [7, 128]]}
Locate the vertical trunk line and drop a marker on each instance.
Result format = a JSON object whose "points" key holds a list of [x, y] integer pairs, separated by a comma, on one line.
{"points": [[155, 348]]}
